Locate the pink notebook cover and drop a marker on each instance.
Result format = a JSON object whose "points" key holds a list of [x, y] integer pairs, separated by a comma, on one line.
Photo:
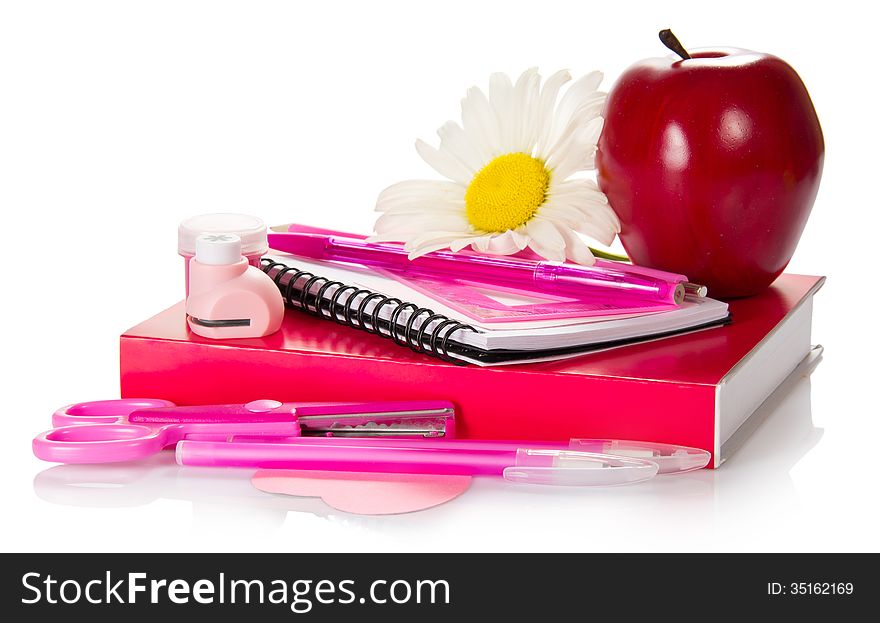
{"points": [[492, 304], [658, 391]]}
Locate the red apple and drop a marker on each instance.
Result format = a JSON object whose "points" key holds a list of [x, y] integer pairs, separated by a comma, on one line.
{"points": [[712, 164]]}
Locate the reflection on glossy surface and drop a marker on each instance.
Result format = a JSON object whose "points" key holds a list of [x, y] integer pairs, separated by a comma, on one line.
{"points": [[755, 482], [676, 152], [735, 128], [217, 495]]}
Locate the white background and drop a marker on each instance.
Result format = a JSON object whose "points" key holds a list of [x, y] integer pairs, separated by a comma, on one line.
{"points": [[118, 119]]}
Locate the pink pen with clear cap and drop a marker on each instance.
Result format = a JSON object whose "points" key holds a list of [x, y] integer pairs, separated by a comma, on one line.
{"points": [[581, 462], [602, 280]]}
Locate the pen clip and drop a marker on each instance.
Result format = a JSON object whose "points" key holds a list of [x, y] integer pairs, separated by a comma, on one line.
{"points": [[574, 468], [670, 459]]}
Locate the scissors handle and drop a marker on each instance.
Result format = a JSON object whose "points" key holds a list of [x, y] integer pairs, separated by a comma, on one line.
{"points": [[110, 431], [99, 443], [105, 411]]}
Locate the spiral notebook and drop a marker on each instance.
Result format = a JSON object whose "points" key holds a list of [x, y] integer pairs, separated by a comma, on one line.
{"points": [[409, 313]]}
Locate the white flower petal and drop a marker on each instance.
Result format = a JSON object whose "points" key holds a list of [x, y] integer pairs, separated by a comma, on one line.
{"points": [[563, 133], [589, 228], [417, 192], [431, 241], [461, 243], [435, 235], [603, 213], [596, 231], [594, 219], [591, 132], [525, 97], [479, 121], [543, 230], [502, 100], [481, 244], [589, 206], [412, 206], [386, 238], [456, 142], [502, 244], [422, 196], [520, 238], [578, 152], [415, 224], [554, 255], [546, 240], [562, 213], [444, 163], [578, 189], [564, 129], [412, 189], [546, 105], [580, 90], [422, 188], [576, 250]]}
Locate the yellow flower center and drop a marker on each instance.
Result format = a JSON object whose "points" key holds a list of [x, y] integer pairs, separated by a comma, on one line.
{"points": [[507, 192]]}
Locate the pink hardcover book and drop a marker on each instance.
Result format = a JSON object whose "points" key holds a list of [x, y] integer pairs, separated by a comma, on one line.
{"points": [[701, 389]]}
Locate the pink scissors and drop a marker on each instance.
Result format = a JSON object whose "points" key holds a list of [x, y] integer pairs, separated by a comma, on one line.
{"points": [[130, 429]]}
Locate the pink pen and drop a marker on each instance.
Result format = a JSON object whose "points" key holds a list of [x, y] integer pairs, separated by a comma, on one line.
{"points": [[670, 458], [525, 462], [603, 280]]}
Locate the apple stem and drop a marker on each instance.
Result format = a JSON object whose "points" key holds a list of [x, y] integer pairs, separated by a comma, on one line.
{"points": [[672, 42]]}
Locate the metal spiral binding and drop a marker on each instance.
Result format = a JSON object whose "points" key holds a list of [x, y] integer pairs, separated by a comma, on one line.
{"points": [[297, 294]]}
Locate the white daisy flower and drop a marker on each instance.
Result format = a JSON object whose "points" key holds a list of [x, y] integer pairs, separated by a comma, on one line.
{"points": [[510, 166]]}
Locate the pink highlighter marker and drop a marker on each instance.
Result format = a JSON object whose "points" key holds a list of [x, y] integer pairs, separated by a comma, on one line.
{"points": [[579, 463], [602, 280]]}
